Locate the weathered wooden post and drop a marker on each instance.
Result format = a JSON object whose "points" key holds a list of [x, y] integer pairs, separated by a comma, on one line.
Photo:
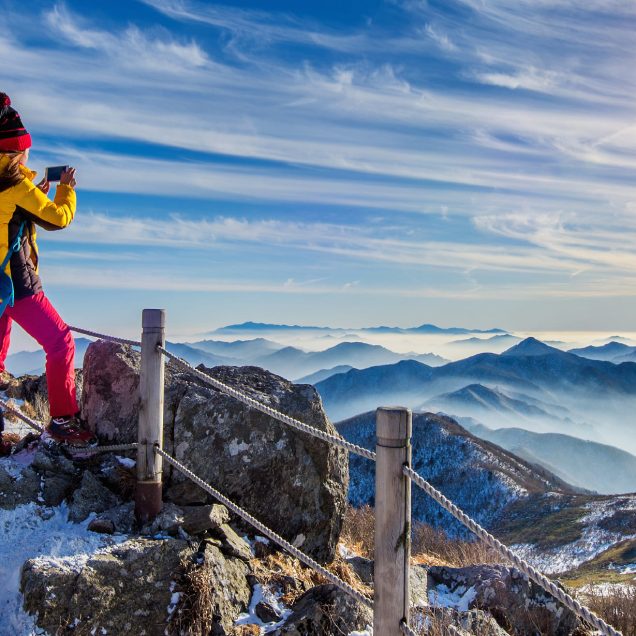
{"points": [[148, 499], [392, 520]]}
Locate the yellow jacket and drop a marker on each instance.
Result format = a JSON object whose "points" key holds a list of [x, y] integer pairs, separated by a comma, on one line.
{"points": [[53, 215]]}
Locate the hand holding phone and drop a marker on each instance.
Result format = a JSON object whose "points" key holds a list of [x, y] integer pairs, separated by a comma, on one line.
{"points": [[68, 177], [54, 173]]}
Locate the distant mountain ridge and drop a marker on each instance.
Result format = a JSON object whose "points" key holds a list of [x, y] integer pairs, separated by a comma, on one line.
{"points": [[583, 463], [425, 328], [530, 366], [615, 352]]}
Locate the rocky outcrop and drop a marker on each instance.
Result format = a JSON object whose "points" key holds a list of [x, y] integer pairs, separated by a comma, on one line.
{"points": [[294, 483], [18, 487], [136, 587], [518, 605], [324, 609], [91, 496]]}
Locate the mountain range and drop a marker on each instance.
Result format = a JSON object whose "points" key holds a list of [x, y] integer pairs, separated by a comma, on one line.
{"points": [[598, 467], [290, 362], [255, 327], [534, 368], [616, 352]]}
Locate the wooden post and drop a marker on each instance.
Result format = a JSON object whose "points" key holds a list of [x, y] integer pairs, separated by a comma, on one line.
{"points": [[392, 520], [148, 501]]}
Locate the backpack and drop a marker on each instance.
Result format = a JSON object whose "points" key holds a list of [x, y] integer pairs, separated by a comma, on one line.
{"points": [[6, 284]]}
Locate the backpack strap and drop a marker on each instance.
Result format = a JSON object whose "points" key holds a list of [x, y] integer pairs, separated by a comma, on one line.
{"points": [[7, 283], [14, 247]]}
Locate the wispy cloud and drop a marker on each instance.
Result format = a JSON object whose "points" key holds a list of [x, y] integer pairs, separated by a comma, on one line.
{"points": [[519, 116]]}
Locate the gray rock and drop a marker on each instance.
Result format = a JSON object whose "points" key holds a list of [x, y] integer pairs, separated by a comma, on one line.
{"points": [[232, 543], [418, 585], [18, 487], [168, 521], [363, 568], [91, 496], [60, 477], [324, 609], [128, 588], [439, 620], [267, 613], [102, 526], [198, 519], [518, 604], [122, 517], [294, 483]]}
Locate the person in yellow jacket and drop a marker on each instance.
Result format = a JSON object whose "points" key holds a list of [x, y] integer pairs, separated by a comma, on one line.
{"points": [[23, 205]]}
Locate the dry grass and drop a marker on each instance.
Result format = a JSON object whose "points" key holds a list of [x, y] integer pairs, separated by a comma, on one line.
{"points": [[38, 409], [429, 546], [616, 605], [293, 579], [358, 530], [11, 438], [194, 615]]}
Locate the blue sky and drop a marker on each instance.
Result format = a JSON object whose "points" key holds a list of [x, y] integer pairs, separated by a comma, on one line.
{"points": [[466, 162]]}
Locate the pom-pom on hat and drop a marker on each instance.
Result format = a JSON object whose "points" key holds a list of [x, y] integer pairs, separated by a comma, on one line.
{"points": [[13, 135]]}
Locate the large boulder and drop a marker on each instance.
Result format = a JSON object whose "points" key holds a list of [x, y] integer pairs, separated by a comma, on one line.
{"points": [[291, 481], [135, 588], [110, 399], [519, 605]]}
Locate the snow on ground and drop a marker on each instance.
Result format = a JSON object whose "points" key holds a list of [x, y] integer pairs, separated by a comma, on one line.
{"points": [[459, 598], [262, 593], [30, 531], [11, 423], [594, 540]]}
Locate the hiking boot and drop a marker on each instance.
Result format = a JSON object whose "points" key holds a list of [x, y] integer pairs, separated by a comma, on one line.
{"points": [[68, 430]]}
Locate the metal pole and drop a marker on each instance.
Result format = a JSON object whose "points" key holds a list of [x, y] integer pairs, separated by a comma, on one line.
{"points": [[392, 520], [148, 500]]}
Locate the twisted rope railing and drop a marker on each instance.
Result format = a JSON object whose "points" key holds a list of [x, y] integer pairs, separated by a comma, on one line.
{"points": [[39, 426], [246, 516], [531, 572], [103, 336], [268, 410], [34, 424]]}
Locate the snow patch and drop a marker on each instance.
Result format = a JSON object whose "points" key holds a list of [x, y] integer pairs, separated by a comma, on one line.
{"points": [[127, 462], [263, 593], [459, 598], [30, 531], [235, 447]]}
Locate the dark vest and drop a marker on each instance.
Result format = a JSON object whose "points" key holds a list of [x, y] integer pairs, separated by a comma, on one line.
{"points": [[26, 281]]}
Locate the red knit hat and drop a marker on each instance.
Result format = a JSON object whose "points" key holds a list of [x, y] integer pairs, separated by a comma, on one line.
{"points": [[13, 135]]}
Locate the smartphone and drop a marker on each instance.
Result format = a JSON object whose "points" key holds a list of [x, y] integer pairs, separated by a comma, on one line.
{"points": [[54, 173]]}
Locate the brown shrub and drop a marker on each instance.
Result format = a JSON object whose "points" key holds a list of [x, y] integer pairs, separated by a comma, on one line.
{"points": [[616, 606], [293, 579], [429, 546], [193, 615], [432, 546]]}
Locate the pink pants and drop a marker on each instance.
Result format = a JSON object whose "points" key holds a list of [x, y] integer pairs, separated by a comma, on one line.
{"points": [[38, 318]]}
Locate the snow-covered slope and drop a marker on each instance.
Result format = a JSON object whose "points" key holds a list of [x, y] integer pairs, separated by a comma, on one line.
{"points": [[480, 477], [557, 526]]}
